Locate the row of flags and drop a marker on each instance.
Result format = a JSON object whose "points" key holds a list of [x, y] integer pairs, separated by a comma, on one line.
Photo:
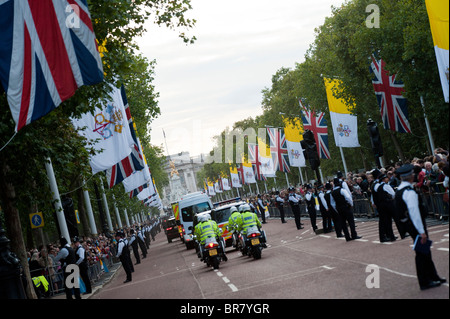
{"points": [[48, 50]]}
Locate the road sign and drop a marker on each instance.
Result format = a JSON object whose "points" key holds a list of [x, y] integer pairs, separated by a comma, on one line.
{"points": [[36, 220]]}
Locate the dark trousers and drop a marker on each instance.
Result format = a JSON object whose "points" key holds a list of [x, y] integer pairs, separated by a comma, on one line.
{"points": [[281, 209], [263, 213], [136, 253], [67, 290], [296, 211], [312, 216], [347, 217], [385, 230], [85, 277], [426, 271], [337, 222], [326, 221], [126, 265], [142, 246]]}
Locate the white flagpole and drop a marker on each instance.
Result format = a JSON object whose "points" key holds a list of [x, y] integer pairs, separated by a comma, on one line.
{"points": [[105, 202], [58, 206], [117, 212], [126, 217], [343, 160], [87, 201], [287, 180], [301, 175], [430, 137]]}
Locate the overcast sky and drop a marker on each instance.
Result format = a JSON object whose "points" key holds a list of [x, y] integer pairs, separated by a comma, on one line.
{"points": [[206, 86]]}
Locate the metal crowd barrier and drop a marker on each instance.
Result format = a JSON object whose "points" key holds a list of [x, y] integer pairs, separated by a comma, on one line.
{"points": [[362, 208], [55, 280]]}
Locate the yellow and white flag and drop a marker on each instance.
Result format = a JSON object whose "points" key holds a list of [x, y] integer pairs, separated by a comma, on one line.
{"points": [[438, 16], [235, 182], [293, 132], [345, 128], [249, 175], [265, 157]]}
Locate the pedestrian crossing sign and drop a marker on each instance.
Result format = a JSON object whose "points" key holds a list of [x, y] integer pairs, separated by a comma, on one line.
{"points": [[36, 220]]}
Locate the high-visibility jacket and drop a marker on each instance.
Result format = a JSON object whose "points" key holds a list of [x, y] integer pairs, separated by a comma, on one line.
{"points": [[233, 221], [207, 229], [40, 280], [248, 219]]}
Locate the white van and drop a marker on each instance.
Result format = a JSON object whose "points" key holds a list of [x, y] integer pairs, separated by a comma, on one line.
{"points": [[189, 205]]}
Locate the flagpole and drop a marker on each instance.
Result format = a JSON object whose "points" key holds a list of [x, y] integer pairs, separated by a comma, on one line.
{"points": [[87, 201], [105, 202], [287, 180], [58, 206], [343, 160], [301, 175], [430, 137]]}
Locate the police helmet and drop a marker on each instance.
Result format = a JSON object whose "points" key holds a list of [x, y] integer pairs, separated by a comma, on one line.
{"points": [[203, 218], [245, 208], [233, 209]]}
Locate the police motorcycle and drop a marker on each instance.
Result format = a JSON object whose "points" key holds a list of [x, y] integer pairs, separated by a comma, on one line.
{"points": [[253, 242], [212, 252]]}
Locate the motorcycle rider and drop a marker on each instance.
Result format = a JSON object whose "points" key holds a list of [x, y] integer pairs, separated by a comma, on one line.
{"points": [[233, 224], [207, 228], [248, 219]]}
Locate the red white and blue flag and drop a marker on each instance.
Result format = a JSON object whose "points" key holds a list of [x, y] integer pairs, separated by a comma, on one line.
{"points": [[317, 124], [133, 162], [388, 90], [253, 156], [278, 148], [48, 50]]}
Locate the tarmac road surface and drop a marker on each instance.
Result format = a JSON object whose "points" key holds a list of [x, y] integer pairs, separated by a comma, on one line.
{"points": [[298, 264]]}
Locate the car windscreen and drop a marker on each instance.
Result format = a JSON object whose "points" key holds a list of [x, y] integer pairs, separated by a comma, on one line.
{"points": [[188, 212], [221, 215], [171, 223]]}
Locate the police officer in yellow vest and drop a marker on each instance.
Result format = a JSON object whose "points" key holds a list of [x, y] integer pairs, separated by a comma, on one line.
{"points": [[233, 224], [248, 219], [207, 228]]}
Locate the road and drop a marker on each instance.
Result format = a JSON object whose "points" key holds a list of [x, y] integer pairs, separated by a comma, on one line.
{"points": [[297, 264]]}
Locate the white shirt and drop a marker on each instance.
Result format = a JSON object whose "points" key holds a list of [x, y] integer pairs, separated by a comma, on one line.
{"points": [[293, 198], [80, 253], [323, 200], [411, 199], [345, 193], [120, 247]]}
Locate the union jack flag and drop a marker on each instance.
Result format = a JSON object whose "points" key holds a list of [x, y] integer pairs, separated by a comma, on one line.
{"points": [[131, 163], [278, 148], [317, 124], [388, 90], [48, 50], [253, 156]]}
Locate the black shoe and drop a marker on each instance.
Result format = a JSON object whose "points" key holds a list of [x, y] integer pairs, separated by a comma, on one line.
{"points": [[431, 284], [339, 236], [357, 237], [300, 228], [384, 239], [442, 280], [284, 222], [128, 280]]}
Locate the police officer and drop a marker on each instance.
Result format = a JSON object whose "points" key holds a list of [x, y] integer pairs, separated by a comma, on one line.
{"points": [[247, 220], [294, 201], [134, 245], [123, 255], [384, 195], [233, 224], [324, 211], [207, 228], [67, 257], [261, 208], [342, 202], [311, 206], [279, 203], [82, 263], [141, 242], [410, 205], [334, 214]]}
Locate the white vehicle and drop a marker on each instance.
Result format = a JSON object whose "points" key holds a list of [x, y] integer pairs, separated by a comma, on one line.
{"points": [[189, 205]]}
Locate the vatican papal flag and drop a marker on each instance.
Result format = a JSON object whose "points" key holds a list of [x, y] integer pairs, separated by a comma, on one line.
{"points": [[293, 133], [345, 129], [438, 16]]}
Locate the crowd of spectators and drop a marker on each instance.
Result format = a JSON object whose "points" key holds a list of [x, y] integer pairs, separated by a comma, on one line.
{"points": [[431, 179]]}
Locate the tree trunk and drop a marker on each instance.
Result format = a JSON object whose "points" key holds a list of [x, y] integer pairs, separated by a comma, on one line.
{"points": [[13, 226]]}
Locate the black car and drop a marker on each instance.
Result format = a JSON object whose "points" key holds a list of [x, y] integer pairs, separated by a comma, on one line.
{"points": [[171, 229]]}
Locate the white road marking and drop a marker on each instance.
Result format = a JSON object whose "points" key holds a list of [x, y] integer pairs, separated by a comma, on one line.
{"points": [[233, 287]]}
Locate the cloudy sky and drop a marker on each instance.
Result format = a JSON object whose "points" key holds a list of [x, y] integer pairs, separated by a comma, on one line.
{"points": [[206, 86]]}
